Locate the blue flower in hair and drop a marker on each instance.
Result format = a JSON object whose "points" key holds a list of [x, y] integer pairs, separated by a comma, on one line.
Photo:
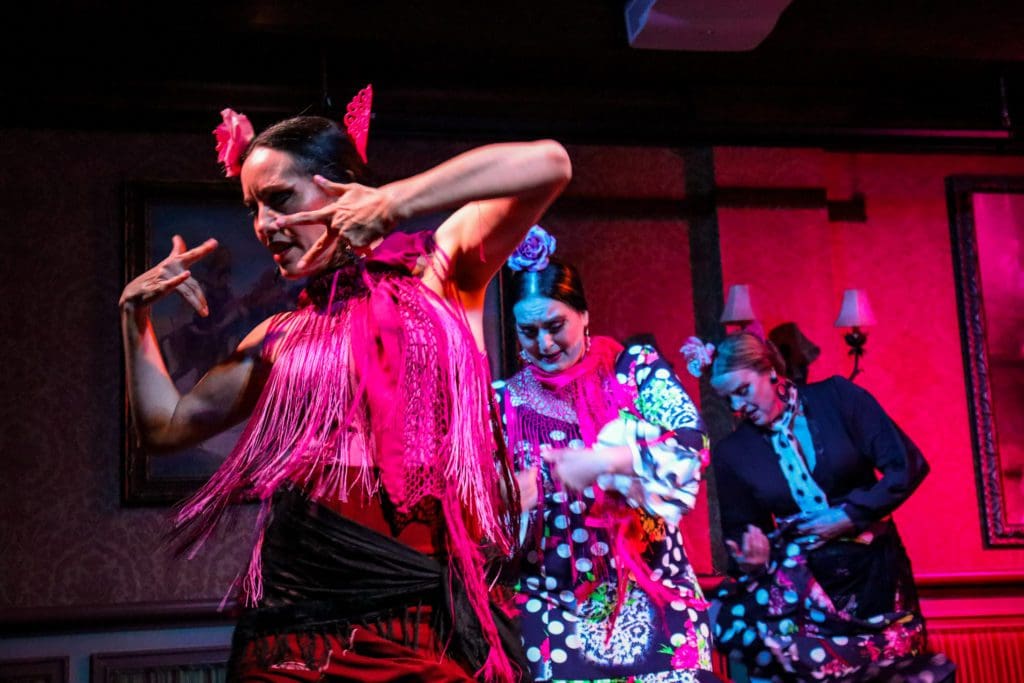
{"points": [[534, 252]]}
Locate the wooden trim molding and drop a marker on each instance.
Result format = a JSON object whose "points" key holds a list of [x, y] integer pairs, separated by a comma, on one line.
{"points": [[46, 670], [164, 665]]}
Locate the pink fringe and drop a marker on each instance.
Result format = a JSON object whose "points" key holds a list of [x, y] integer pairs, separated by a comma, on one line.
{"points": [[392, 373]]}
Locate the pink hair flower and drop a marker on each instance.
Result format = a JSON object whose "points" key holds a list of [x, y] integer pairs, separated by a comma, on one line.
{"points": [[233, 137], [698, 355]]}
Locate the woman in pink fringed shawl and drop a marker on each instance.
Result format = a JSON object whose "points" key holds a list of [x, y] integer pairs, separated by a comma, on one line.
{"points": [[609, 449], [369, 440]]}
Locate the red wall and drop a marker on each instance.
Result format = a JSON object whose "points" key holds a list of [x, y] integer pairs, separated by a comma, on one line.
{"points": [[797, 263]]}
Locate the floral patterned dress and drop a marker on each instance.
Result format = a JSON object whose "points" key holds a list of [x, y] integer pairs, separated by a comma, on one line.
{"points": [[576, 624]]}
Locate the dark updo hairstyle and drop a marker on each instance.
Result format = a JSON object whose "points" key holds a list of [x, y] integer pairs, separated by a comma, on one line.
{"points": [[318, 145], [558, 281], [746, 351]]}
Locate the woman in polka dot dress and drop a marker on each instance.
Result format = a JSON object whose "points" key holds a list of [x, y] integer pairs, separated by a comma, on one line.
{"points": [[822, 587], [609, 449]]}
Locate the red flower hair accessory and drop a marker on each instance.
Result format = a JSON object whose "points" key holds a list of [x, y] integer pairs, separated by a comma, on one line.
{"points": [[233, 137], [357, 119]]}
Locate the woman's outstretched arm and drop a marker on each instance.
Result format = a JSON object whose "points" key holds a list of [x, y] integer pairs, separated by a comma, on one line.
{"points": [[165, 419]]}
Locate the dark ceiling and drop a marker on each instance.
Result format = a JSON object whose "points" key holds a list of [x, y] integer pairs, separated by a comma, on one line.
{"points": [[854, 72]]}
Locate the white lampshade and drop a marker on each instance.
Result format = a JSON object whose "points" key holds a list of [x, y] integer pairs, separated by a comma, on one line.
{"points": [[738, 308], [855, 310]]}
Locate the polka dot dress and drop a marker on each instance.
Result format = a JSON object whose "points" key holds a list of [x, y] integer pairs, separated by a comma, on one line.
{"points": [[567, 591]]}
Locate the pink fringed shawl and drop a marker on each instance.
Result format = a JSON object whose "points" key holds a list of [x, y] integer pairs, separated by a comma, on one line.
{"points": [[596, 396], [384, 374]]}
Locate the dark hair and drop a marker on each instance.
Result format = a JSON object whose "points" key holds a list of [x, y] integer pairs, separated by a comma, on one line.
{"points": [[318, 145], [558, 281], [746, 351]]}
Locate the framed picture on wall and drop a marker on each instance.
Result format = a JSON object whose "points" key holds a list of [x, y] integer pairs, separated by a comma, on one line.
{"points": [[987, 227], [242, 287]]}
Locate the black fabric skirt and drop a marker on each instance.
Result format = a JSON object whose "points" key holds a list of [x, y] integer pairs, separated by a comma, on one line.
{"points": [[324, 573]]}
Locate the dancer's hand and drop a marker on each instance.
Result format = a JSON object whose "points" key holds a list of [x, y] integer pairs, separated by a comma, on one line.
{"points": [[358, 215], [171, 274], [755, 550], [821, 527], [529, 494], [579, 468]]}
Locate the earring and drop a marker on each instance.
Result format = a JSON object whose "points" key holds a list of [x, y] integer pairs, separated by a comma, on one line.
{"points": [[524, 356], [586, 336], [774, 378]]}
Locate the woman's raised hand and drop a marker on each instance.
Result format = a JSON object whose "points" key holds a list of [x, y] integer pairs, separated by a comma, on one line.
{"points": [[358, 214], [171, 274], [529, 493], [755, 550]]}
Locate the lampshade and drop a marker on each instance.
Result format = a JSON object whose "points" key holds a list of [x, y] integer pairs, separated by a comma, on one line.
{"points": [[738, 308], [855, 310]]}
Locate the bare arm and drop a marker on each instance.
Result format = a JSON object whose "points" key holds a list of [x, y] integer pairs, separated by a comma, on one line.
{"points": [[502, 190], [165, 419]]}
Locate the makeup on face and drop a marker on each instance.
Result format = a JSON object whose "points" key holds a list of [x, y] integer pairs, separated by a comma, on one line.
{"points": [[552, 334]]}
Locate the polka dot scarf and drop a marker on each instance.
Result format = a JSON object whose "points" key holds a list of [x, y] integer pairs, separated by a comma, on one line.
{"points": [[806, 492]]}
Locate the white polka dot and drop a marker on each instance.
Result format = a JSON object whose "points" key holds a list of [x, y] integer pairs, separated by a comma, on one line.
{"points": [[533, 605], [533, 654], [577, 443], [559, 496], [665, 560], [704, 631], [818, 654], [577, 507], [678, 605], [556, 628], [570, 617], [677, 639], [622, 378], [692, 613], [840, 640], [634, 350], [561, 522], [533, 582], [661, 373], [563, 551], [677, 554], [498, 384], [584, 565], [572, 641], [550, 583], [657, 574], [600, 548], [588, 492], [557, 435], [567, 596], [558, 656], [580, 535]]}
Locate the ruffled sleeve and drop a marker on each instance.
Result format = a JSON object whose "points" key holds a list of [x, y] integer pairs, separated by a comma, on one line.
{"points": [[664, 433]]}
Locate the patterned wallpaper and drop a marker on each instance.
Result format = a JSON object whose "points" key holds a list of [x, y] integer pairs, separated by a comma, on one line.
{"points": [[67, 541]]}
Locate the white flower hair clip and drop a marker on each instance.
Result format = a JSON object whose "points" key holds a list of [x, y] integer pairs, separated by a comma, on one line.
{"points": [[698, 355]]}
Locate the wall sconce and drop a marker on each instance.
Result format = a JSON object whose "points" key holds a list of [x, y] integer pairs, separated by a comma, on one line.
{"points": [[738, 309], [855, 312]]}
